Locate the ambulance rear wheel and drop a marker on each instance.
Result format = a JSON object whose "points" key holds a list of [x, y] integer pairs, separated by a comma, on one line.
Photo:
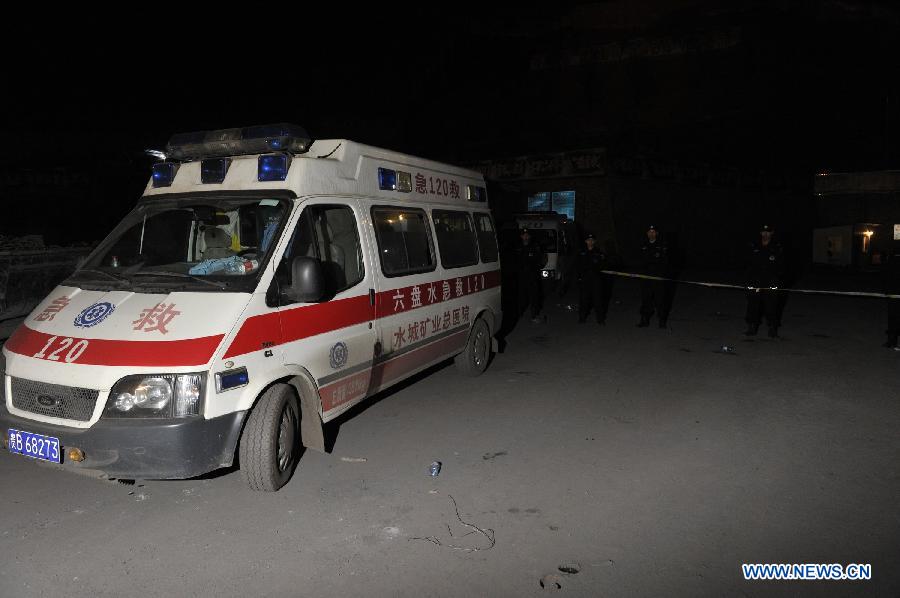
{"points": [[474, 358], [270, 444]]}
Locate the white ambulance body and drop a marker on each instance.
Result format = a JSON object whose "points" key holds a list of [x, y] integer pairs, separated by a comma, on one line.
{"points": [[252, 295]]}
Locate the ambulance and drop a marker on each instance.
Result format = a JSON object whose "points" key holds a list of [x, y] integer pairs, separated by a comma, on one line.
{"points": [[264, 284], [557, 237]]}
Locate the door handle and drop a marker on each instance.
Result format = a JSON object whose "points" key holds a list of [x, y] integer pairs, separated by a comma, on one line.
{"points": [[372, 297]]}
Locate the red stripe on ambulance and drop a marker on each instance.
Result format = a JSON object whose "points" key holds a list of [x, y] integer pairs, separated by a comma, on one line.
{"points": [[98, 351], [415, 296], [276, 328]]}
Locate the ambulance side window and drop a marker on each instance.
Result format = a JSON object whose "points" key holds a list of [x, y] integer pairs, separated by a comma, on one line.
{"points": [[456, 238], [329, 234], [404, 241], [487, 238]]}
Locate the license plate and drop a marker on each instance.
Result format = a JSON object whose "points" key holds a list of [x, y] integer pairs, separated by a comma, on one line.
{"points": [[36, 446]]}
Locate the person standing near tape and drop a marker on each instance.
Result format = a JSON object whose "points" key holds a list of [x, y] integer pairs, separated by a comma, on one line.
{"points": [[654, 262], [593, 284], [530, 259], [765, 272]]}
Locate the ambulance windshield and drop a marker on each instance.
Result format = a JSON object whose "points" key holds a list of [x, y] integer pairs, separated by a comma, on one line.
{"points": [[545, 238], [200, 243]]}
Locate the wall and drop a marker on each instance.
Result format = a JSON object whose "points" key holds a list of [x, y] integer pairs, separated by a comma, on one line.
{"points": [[27, 276]]}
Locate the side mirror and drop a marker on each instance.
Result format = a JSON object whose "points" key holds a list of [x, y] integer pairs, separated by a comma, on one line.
{"points": [[308, 280]]}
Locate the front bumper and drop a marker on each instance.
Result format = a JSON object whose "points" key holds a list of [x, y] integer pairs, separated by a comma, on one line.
{"points": [[146, 448]]}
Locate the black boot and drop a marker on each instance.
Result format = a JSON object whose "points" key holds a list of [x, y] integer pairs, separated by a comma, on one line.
{"points": [[645, 321], [662, 323], [891, 341], [752, 329], [773, 332]]}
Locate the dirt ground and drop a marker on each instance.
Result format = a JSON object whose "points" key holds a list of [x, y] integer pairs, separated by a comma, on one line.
{"points": [[643, 462]]}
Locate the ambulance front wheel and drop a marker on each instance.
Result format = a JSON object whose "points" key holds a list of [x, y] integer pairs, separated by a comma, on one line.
{"points": [[474, 358], [270, 444]]}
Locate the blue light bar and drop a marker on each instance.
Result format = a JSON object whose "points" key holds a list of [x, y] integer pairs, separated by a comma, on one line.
{"points": [[236, 142], [278, 138], [273, 167], [213, 170], [164, 174], [387, 179]]}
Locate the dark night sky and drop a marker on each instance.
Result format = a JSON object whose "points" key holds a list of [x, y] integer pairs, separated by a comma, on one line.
{"points": [[798, 87]]}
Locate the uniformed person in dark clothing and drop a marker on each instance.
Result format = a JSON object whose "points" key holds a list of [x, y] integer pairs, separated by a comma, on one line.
{"points": [[654, 262], [593, 284], [530, 259], [892, 287], [766, 273]]}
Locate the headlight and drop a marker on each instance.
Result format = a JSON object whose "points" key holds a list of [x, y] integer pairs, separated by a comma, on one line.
{"points": [[159, 395], [547, 273]]}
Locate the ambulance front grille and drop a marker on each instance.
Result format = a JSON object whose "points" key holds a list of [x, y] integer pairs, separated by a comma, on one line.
{"points": [[53, 400]]}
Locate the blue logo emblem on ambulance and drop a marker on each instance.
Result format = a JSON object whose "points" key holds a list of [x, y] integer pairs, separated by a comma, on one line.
{"points": [[93, 315]]}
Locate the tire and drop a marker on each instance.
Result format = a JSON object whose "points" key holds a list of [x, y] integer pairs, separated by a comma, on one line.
{"points": [[270, 444], [475, 357]]}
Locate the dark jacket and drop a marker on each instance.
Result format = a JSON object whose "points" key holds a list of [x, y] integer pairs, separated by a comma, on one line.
{"points": [[766, 265], [654, 258], [529, 259], [589, 264]]}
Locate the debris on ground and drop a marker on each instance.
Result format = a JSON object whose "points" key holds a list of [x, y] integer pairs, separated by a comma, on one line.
{"points": [[474, 529], [551, 582], [569, 568]]}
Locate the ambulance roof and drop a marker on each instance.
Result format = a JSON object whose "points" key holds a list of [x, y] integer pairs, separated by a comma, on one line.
{"points": [[335, 167]]}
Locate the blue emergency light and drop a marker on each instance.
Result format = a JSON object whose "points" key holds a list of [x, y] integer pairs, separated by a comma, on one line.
{"points": [[164, 174], [213, 170], [387, 179], [273, 167], [231, 379]]}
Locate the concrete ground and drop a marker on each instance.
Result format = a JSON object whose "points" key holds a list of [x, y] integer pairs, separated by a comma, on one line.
{"points": [[647, 460]]}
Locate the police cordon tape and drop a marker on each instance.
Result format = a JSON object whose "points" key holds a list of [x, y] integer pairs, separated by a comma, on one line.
{"points": [[722, 285]]}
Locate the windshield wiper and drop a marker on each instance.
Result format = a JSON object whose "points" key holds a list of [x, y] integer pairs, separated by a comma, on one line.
{"points": [[116, 277], [218, 285]]}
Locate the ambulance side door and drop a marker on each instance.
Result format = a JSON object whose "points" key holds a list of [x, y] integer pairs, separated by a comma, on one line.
{"points": [[333, 338], [408, 290]]}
